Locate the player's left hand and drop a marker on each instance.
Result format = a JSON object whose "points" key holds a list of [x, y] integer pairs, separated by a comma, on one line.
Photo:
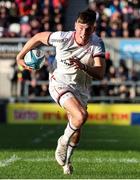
{"points": [[24, 66], [76, 63]]}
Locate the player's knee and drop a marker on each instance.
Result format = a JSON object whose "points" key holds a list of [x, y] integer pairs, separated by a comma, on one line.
{"points": [[81, 117], [85, 116]]}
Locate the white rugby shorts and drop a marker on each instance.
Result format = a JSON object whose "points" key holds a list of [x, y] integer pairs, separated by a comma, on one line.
{"points": [[60, 93]]}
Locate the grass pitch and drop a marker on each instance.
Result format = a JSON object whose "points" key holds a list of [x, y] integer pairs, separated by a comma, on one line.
{"points": [[27, 151]]}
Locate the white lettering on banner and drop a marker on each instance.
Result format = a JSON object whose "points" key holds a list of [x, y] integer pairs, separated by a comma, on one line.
{"points": [[132, 48]]}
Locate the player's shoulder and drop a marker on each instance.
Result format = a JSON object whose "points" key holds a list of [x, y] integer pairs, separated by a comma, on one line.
{"points": [[96, 40], [66, 33], [62, 34]]}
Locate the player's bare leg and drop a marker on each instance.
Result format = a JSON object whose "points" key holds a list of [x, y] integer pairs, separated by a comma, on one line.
{"points": [[78, 117]]}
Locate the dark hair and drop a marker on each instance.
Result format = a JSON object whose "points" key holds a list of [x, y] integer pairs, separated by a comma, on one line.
{"points": [[87, 16]]}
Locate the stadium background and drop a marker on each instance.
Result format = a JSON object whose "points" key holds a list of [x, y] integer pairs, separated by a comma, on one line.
{"points": [[30, 123], [117, 24]]}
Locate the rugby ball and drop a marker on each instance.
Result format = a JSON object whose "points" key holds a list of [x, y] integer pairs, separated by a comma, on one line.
{"points": [[35, 58]]}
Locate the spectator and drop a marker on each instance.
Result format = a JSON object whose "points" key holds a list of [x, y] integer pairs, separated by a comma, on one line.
{"points": [[14, 30], [125, 33], [34, 88], [137, 33], [25, 30], [4, 18], [14, 78], [24, 7], [123, 71], [35, 26], [109, 62], [124, 92]]}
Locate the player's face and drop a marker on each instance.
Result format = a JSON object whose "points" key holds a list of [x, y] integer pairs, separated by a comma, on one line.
{"points": [[83, 32]]}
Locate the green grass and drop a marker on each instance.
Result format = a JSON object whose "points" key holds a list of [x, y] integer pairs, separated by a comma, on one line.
{"points": [[27, 151]]}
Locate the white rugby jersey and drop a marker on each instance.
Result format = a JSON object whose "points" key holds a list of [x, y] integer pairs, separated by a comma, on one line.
{"points": [[66, 48]]}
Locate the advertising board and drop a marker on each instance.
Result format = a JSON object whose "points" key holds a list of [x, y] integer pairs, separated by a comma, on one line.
{"points": [[113, 114], [130, 49]]}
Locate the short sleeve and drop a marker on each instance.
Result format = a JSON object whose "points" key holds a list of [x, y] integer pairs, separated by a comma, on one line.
{"points": [[55, 38], [99, 49]]}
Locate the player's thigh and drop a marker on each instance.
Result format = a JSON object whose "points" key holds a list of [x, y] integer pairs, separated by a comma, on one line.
{"points": [[67, 99], [75, 108]]}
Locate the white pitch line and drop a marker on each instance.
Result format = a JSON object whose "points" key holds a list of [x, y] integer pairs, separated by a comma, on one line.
{"points": [[14, 158], [9, 161], [38, 159], [110, 160]]}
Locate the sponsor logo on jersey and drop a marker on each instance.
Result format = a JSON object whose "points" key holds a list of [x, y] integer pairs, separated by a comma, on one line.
{"points": [[59, 40], [66, 62]]}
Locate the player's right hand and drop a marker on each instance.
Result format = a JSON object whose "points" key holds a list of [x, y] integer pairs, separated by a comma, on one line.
{"points": [[76, 63]]}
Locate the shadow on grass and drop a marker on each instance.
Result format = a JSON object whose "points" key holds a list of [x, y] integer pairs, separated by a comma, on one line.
{"points": [[94, 137]]}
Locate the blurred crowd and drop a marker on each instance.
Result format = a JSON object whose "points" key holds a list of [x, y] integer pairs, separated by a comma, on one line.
{"points": [[117, 18], [118, 81], [20, 18]]}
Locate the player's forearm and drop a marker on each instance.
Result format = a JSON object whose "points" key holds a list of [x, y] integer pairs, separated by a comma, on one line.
{"points": [[40, 38], [33, 42]]}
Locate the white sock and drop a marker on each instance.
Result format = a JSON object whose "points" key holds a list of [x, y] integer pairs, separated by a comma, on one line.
{"points": [[69, 131], [70, 150]]}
